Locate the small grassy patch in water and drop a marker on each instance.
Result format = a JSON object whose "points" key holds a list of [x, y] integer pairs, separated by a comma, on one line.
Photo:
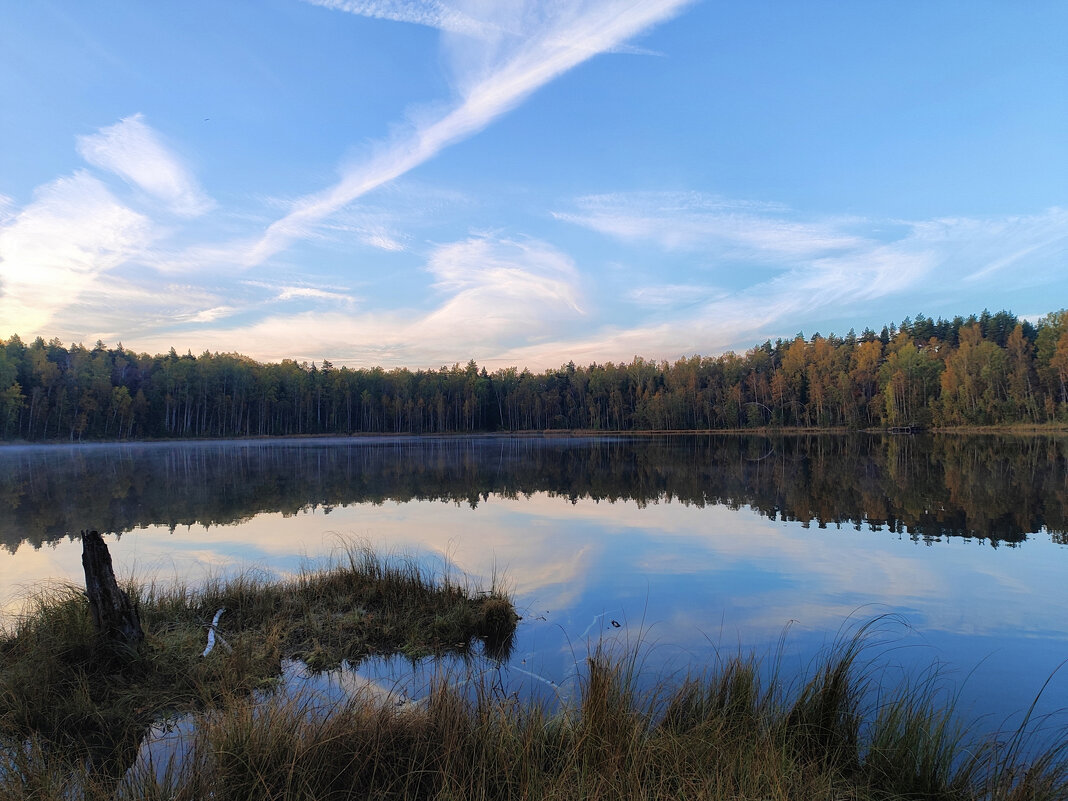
{"points": [[63, 687]]}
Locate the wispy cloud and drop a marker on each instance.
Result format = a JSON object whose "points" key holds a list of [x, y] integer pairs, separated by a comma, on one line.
{"points": [[383, 241], [430, 13], [491, 80], [499, 289], [477, 20], [102, 309], [989, 247], [289, 290], [493, 294], [311, 293], [76, 253], [368, 232], [635, 50], [211, 315], [810, 284], [673, 296], [135, 152], [55, 247], [693, 221], [392, 221]]}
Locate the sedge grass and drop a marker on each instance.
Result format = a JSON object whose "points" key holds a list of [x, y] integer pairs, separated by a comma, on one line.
{"points": [[729, 734]]}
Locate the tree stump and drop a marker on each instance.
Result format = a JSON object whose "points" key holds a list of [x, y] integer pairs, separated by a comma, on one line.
{"points": [[114, 615]]}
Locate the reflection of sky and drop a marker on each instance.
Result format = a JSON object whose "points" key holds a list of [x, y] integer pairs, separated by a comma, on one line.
{"points": [[684, 580]]}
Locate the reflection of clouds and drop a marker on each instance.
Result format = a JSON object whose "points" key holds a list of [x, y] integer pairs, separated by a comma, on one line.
{"points": [[829, 574], [541, 557], [714, 540], [28, 570], [1002, 580], [697, 571]]}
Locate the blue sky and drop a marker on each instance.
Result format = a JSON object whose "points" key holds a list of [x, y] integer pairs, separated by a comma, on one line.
{"points": [[395, 183]]}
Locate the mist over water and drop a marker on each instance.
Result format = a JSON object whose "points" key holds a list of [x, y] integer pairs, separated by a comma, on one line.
{"points": [[997, 489]]}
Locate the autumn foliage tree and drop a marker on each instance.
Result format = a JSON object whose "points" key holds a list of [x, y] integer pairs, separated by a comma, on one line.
{"points": [[991, 369]]}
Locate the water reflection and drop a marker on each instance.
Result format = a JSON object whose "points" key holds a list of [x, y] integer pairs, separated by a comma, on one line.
{"points": [[995, 488], [690, 544]]}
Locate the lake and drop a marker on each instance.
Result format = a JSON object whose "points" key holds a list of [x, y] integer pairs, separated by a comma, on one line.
{"points": [[688, 545]]}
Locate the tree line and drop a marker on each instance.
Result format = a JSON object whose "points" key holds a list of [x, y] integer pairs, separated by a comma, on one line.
{"points": [[990, 369]]}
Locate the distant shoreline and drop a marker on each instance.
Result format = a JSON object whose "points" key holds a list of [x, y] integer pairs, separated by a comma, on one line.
{"points": [[1014, 429]]}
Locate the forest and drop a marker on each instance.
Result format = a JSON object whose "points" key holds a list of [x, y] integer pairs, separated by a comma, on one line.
{"points": [[985, 370]]}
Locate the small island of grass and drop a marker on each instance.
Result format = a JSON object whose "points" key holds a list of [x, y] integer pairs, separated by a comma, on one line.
{"points": [[79, 699]]}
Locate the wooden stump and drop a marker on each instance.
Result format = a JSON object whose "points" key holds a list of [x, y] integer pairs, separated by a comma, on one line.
{"points": [[114, 615]]}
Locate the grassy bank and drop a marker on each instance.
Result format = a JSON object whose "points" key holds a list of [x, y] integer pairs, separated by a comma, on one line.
{"points": [[738, 731]]}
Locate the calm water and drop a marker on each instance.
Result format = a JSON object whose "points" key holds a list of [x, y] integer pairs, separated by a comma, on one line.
{"points": [[689, 544]]}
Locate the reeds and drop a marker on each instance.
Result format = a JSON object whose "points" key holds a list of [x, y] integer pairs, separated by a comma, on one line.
{"points": [[734, 733]]}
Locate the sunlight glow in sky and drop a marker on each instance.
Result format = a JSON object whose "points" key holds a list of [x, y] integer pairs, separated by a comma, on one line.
{"points": [[524, 182]]}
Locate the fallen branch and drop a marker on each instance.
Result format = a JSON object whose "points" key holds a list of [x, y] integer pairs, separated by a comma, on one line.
{"points": [[214, 635]]}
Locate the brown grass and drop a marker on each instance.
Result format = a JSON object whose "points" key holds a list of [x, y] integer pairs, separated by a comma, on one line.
{"points": [[739, 731], [66, 692]]}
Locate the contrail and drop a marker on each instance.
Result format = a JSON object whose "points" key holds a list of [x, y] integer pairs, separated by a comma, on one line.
{"points": [[537, 61]]}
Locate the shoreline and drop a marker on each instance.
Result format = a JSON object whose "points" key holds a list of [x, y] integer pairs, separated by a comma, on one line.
{"points": [[1015, 429]]}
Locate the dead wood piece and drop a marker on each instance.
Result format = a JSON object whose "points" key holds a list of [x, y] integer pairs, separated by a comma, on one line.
{"points": [[114, 614]]}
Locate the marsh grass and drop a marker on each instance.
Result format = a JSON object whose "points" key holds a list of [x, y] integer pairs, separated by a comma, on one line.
{"points": [[734, 733], [64, 692], [744, 729]]}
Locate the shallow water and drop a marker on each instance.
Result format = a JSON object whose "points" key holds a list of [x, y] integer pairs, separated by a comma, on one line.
{"points": [[686, 546]]}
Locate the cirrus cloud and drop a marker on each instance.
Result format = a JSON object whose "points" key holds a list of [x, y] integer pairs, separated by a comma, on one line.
{"points": [[543, 41], [135, 152]]}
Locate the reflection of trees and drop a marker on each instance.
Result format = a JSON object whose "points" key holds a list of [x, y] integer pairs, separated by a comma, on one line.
{"points": [[1000, 488]]}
